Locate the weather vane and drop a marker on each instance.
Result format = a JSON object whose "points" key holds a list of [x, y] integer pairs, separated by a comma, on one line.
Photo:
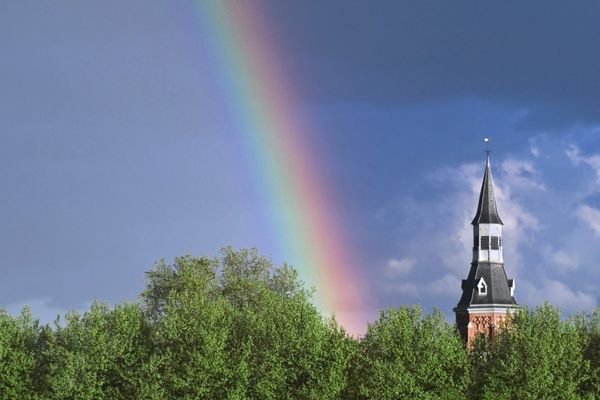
{"points": [[487, 145]]}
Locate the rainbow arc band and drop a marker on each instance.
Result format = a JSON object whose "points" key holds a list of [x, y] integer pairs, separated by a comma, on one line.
{"points": [[301, 203]]}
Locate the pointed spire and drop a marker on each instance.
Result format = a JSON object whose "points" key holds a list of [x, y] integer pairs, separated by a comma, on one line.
{"points": [[487, 213]]}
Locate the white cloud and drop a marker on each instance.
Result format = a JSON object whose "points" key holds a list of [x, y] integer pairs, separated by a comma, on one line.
{"points": [[518, 221], [399, 267], [445, 286], [565, 261], [451, 241], [521, 173], [535, 151], [561, 260], [590, 216], [574, 155], [557, 293], [576, 158]]}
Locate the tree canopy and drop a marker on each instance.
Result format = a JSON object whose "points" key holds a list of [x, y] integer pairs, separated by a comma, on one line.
{"points": [[238, 327]]}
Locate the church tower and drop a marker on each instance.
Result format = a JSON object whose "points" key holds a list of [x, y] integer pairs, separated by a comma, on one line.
{"points": [[487, 293]]}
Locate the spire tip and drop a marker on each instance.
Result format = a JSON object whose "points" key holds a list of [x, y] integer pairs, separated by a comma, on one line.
{"points": [[487, 149]]}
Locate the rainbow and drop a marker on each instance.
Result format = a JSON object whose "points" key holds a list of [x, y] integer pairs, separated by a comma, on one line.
{"points": [[302, 205]]}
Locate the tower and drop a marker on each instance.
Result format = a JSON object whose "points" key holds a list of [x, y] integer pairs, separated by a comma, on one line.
{"points": [[487, 293]]}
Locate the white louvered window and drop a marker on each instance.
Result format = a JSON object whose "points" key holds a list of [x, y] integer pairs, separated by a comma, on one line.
{"points": [[495, 243], [485, 243]]}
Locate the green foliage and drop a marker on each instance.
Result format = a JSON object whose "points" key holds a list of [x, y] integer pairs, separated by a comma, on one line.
{"points": [[539, 356], [237, 327], [100, 355], [18, 356], [588, 328], [406, 356], [190, 346]]}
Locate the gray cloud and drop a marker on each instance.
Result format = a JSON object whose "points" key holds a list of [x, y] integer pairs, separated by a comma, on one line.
{"points": [[536, 55]]}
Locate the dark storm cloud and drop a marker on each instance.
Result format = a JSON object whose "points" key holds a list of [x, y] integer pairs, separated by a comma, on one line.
{"points": [[539, 54]]}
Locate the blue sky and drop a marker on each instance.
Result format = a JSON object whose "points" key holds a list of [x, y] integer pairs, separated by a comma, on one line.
{"points": [[114, 156]]}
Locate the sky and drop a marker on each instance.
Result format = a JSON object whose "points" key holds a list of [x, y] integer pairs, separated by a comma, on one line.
{"points": [[117, 149]]}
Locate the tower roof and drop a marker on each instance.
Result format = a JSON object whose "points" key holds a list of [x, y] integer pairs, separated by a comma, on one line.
{"points": [[498, 292], [487, 213]]}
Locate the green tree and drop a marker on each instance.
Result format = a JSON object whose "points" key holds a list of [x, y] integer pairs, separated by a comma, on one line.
{"points": [[190, 346], [102, 354], [407, 356], [18, 356], [537, 356], [191, 323], [238, 327], [291, 351], [588, 327]]}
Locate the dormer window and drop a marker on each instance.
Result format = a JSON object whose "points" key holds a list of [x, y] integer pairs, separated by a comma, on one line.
{"points": [[482, 287], [511, 286]]}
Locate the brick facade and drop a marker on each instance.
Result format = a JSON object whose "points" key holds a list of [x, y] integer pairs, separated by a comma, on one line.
{"points": [[471, 324]]}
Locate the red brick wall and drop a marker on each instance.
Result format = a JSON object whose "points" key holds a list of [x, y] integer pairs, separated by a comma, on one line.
{"points": [[470, 325]]}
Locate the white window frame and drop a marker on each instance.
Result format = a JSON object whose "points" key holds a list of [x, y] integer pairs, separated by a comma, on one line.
{"points": [[482, 287]]}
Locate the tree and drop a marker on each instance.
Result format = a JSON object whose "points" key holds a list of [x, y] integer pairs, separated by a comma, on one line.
{"points": [[102, 354], [190, 342], [239, 327], [407, 356], [588, 327], [18, 356], [537, 356]]}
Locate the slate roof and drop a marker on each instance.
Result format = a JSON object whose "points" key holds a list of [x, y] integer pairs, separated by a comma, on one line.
{"points": [[487, 212], [498, 286]]}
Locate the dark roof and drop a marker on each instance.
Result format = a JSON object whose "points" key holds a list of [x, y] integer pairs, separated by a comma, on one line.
{"points": [[498, 286], [487, 213]]}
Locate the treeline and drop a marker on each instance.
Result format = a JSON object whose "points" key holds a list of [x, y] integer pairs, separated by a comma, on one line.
{"points": [[237, 327]]}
